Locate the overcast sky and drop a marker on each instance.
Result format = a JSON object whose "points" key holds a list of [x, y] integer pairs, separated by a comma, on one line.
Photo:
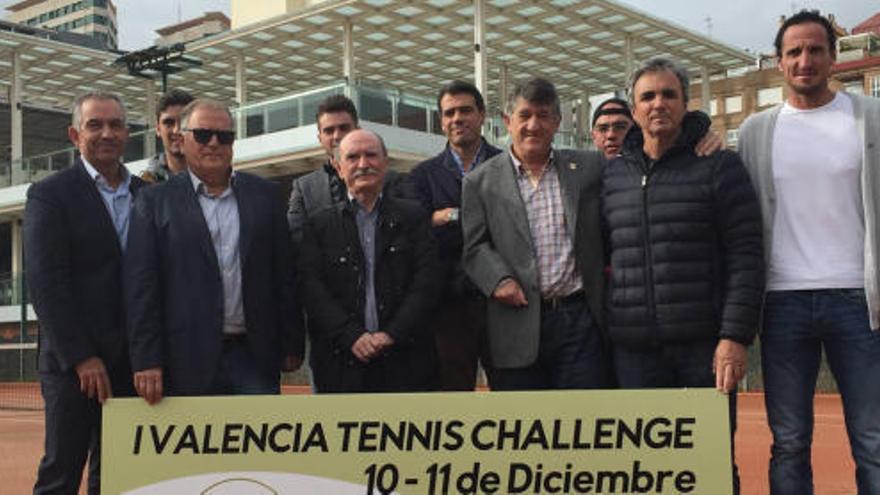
{"points": [[748, 24]]}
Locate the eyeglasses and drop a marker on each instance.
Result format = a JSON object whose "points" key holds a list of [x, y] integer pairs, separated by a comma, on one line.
{"points": [[203, 136], [616, 127]]}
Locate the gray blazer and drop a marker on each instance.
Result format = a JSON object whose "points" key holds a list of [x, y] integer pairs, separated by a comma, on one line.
{"points": [[498, 244]]}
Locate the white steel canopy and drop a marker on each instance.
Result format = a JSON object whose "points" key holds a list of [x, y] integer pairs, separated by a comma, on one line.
{"points": [[584, 46]]}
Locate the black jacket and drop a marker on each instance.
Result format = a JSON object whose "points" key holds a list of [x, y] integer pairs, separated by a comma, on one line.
{"points": [[436, 184], [74, 271], [685, 239], [332, 266]]}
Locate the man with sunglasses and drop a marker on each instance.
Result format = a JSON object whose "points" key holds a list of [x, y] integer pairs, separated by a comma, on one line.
{"points": [[220, 316]]}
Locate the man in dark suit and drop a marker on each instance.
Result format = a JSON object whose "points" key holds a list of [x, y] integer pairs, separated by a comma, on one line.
{"points": [[369, 274], [76, 223], [209, 276], [459, 322], [532, 244]]}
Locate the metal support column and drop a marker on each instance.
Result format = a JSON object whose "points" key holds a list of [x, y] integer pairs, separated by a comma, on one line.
{"points": [[17, 172], [17, 250], [480, 67], [348, 68], [583, 118], [240, 96], [628, 60], [706, 89], [149, 118]]}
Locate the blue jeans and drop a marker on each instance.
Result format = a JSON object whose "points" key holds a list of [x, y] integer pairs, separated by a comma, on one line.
{"points": [[571, 353], [797, 325], [675, 365], [239, 373]]}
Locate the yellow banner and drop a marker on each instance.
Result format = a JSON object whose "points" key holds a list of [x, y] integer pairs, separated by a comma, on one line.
{"points": [[621, 442]]}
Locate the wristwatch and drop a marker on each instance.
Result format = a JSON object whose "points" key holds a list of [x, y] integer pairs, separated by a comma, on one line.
{"points": [[453, 215]]}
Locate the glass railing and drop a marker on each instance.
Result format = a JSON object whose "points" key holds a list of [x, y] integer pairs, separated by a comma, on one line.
{"points": [[375, 104], [11, 289]]}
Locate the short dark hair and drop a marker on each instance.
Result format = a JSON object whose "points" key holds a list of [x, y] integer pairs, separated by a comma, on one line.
{"points": [[173, 98], [337, 103], [458, 87], [535, 90], [803, 17], [660, 64], [601, 110]]}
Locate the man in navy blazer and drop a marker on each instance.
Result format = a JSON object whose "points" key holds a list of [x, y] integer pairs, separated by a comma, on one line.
{"points": [[75, 226], [209, 275]]}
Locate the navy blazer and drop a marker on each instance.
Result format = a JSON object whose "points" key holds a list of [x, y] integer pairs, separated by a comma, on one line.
{"points": [[74, 270], [436, 184], [174, 290]]}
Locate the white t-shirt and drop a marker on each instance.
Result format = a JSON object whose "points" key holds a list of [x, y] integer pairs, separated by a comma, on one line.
{"points": [[819, 228]]}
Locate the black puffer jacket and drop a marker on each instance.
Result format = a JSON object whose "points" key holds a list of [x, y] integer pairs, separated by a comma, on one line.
{"points": [[686, 246]]}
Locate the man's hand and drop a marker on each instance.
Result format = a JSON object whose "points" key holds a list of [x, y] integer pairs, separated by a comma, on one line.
{"points": [[709, 143], [382, 341], [729, 364], [363, 348], [441, 217], [93, 379], [291, 363], [148, 384], [510, 293]]}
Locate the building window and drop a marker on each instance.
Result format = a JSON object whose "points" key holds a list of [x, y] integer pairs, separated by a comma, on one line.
{"points": [[732, 137], [769, 96], [875, 86], [733, 104], [713, 107]]}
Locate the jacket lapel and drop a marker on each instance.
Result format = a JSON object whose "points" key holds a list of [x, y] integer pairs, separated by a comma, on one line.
{"points": [[505, 176], [90, 190], [195, 218], [246, 217], [569, 181]]}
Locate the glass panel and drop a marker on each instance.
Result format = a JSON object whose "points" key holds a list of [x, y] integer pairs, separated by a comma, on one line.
{"points": [[254, 122], [412, 117], [375, 108], [282, 115]]}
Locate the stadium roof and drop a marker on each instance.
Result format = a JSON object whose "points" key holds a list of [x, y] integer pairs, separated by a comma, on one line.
{"points": [[584, 46]]}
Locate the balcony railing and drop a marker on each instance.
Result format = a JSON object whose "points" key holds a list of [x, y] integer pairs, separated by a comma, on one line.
{"points": [[375, 104]]}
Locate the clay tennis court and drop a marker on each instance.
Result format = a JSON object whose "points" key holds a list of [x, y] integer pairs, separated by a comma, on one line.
{"points": [[21, 435]]}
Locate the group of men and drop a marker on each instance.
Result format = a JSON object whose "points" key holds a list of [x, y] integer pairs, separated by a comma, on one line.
{"points": [[642, 265]]}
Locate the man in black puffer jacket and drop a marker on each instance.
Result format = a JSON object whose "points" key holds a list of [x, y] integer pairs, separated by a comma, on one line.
{"points": [[684, 236]]}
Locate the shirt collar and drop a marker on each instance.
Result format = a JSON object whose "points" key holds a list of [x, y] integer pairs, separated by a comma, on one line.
{"points": [[357, 205], [518, 166], [199, 186], [478, 157], [100, 180]]}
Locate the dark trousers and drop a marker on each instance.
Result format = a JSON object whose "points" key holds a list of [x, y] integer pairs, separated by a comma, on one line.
{"points": [[459, 328], [240, 374], [678, 365], [571, 352], [73, 431]]}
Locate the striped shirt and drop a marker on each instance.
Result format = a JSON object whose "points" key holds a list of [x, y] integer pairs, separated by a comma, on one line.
{"points": [[554, 251]]}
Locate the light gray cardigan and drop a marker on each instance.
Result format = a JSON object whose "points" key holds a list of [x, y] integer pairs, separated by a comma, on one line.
{"points": [[756, 150]]}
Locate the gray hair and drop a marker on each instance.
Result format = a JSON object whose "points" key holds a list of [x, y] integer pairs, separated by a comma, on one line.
{"points": [[76, 108], [659, 64], [535, 90], [338, 151], [194, 105]]}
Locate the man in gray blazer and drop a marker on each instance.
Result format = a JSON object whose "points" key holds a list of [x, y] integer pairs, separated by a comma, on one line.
{"points": [[321, 188], [532, 244]]}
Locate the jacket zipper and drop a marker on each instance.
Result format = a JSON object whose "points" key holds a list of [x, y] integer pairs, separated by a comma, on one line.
{"points": [[649, 256]]}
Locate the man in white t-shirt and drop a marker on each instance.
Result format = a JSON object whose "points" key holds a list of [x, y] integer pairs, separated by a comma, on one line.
{"points": [[815, 162]]}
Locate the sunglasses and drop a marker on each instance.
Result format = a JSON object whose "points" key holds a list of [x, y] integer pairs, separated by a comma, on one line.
{"points": [[203, 136]]}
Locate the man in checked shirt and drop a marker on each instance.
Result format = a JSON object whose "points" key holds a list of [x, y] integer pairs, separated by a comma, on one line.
{"points": [[531, 221]]}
